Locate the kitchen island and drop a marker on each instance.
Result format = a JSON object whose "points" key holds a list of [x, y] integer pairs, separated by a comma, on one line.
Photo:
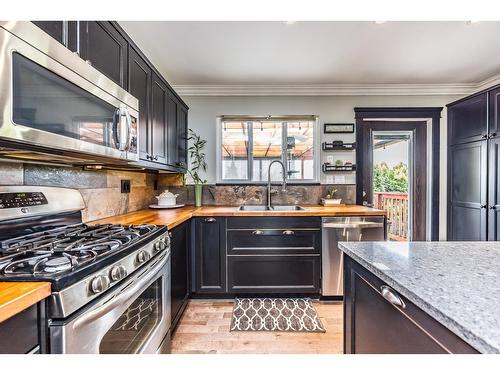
{"points": [[422, 297]]}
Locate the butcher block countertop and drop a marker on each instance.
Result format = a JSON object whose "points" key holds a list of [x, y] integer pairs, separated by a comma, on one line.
{"points": [[174, 217], [17, 296]]}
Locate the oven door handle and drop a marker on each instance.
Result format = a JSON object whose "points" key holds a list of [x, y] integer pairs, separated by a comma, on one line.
{"points": [[118, 299]]}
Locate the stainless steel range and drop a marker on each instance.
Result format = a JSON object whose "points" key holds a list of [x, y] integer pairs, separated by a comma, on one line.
{"points": [[110, 283]]}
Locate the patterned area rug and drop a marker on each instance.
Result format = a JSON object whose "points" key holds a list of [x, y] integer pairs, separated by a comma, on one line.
{"points": [[275, 314]]}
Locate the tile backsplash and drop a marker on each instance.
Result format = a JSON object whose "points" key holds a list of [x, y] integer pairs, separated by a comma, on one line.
{"points": [[103, 198], [100, 189]]}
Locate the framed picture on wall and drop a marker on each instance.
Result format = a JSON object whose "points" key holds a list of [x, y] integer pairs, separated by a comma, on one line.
{"points": [[338, 128]]}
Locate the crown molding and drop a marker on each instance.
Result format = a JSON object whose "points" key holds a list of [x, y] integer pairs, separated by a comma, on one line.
{"points": [[339, 89]]}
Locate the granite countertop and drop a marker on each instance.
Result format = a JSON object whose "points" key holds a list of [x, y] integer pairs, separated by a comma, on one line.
{"points": [[457, 283], [174, 217]]}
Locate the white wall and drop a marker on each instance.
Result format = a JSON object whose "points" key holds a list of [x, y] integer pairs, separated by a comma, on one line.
{"points": [[203, 111]]}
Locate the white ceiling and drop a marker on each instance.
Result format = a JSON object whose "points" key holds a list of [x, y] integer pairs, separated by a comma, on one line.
{"points": [[312, 53]]}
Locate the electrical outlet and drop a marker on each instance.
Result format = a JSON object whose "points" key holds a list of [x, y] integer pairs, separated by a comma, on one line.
{"points": [[329, 179], [329, 159], [125, 185]]}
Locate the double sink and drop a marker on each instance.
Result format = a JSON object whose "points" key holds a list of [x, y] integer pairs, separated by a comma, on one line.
{"points": [[272, 208]]}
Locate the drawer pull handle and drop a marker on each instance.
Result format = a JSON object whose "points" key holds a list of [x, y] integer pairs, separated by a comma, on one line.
{"points": [[391, 296], [210, 220], [257, 232], [288, 232]]}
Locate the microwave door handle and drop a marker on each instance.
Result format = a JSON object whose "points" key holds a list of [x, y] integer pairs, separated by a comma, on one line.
{"points": [[119, 299], [121, 114], [128, 120]]}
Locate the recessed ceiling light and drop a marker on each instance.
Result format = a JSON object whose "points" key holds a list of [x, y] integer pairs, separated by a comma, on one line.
{"points": [[289, 22], [471, 22], [380, 22]]}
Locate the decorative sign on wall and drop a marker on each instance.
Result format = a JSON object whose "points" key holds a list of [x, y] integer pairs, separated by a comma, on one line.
{"points": [[338, 128]]}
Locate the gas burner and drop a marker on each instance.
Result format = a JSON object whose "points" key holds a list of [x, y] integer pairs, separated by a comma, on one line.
{"points": [[55, 265]]}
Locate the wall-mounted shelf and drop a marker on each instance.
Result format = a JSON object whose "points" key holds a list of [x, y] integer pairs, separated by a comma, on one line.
{"points": [[338, 146], [329, 168]]}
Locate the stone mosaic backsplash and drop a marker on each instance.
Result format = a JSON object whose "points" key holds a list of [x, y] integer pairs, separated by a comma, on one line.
{"points": [[235, 195], [100, 189], [103, 198]]}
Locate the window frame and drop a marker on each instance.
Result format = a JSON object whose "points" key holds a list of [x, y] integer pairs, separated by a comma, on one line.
{"points": [[248, 181]]}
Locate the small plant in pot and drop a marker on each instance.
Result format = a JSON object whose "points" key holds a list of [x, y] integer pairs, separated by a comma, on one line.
{"points": [[198, 164]]}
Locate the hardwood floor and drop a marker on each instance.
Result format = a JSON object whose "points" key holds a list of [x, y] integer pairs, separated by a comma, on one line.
{"points": [[204, 328]]}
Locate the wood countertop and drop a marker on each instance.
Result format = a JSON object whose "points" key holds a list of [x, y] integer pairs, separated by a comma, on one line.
{"points": [[174, 217], [17, 296]]}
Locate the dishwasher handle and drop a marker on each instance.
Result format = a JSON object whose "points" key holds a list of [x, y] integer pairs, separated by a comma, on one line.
{"points": [[362, 225]]}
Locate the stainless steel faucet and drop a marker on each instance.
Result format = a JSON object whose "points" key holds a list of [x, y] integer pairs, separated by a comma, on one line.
{"points": [[269, 192]]}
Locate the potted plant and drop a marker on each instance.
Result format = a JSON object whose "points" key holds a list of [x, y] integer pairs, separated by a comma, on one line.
{"points": [[198, 163]]}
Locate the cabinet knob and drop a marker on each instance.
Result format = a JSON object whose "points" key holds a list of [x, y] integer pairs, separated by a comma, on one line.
{"points": [[485, 136], [288, 232], [493, 135], [484, 206], [88, 62], [210, 220], [257, 232], [155, 158], [492, 207], [390, 295]]}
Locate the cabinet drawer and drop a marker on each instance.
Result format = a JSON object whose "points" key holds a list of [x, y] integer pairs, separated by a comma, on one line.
{"points": [[274, 274], [278, 222], [273, 241], [19, 334]]}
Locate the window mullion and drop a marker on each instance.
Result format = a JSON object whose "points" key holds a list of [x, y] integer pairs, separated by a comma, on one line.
{"points": [[284, 132], [250, 151]]}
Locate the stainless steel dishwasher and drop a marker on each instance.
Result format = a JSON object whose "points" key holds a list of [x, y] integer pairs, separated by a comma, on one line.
{"points": [[344, 229]]}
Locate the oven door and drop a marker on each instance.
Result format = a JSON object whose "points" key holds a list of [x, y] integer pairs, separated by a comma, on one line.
{"points": [[51, 99], [132, 318]]}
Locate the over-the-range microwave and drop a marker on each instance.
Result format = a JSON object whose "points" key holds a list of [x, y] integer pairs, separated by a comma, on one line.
{"points": [[56, 108]]}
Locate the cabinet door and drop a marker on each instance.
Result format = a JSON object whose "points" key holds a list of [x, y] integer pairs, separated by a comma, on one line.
{"points": [[467, 179], [56, 29], [494, 111], [179, 270], [172, 130], [159, 112], [467, 120], [210, 255], [182, 135], [140, 87], [494, 190], [105, 48]]}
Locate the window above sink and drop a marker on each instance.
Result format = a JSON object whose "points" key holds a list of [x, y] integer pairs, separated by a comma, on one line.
{"points": [[246, 145]]}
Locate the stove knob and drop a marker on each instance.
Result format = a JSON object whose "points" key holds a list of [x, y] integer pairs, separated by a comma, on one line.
{"points": [[99, 284], [142, 257], [117, 273], [160, 245]]}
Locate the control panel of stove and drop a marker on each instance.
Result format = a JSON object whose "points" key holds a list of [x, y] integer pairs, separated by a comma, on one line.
{"points": [[111, 275], [18, 200]]}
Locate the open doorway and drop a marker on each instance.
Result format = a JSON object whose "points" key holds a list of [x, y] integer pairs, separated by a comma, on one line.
{"points": [[392, 181]]}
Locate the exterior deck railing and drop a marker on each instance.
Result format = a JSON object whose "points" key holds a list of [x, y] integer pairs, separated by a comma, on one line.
{"points": [[396, 206]]}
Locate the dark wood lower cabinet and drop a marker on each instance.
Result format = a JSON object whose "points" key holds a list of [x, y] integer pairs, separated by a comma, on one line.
{"points": [[24, 333], [209, 255], [179, 258], [373, 325]]}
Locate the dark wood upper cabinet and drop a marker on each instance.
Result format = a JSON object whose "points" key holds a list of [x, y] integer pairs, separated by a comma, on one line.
{"points": [[105, 48], [163, 116], [467, 184], [182, 135], [468, 120], [159, 113], [209, 255], [56, 29], [140, 74], [494, 111]]}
